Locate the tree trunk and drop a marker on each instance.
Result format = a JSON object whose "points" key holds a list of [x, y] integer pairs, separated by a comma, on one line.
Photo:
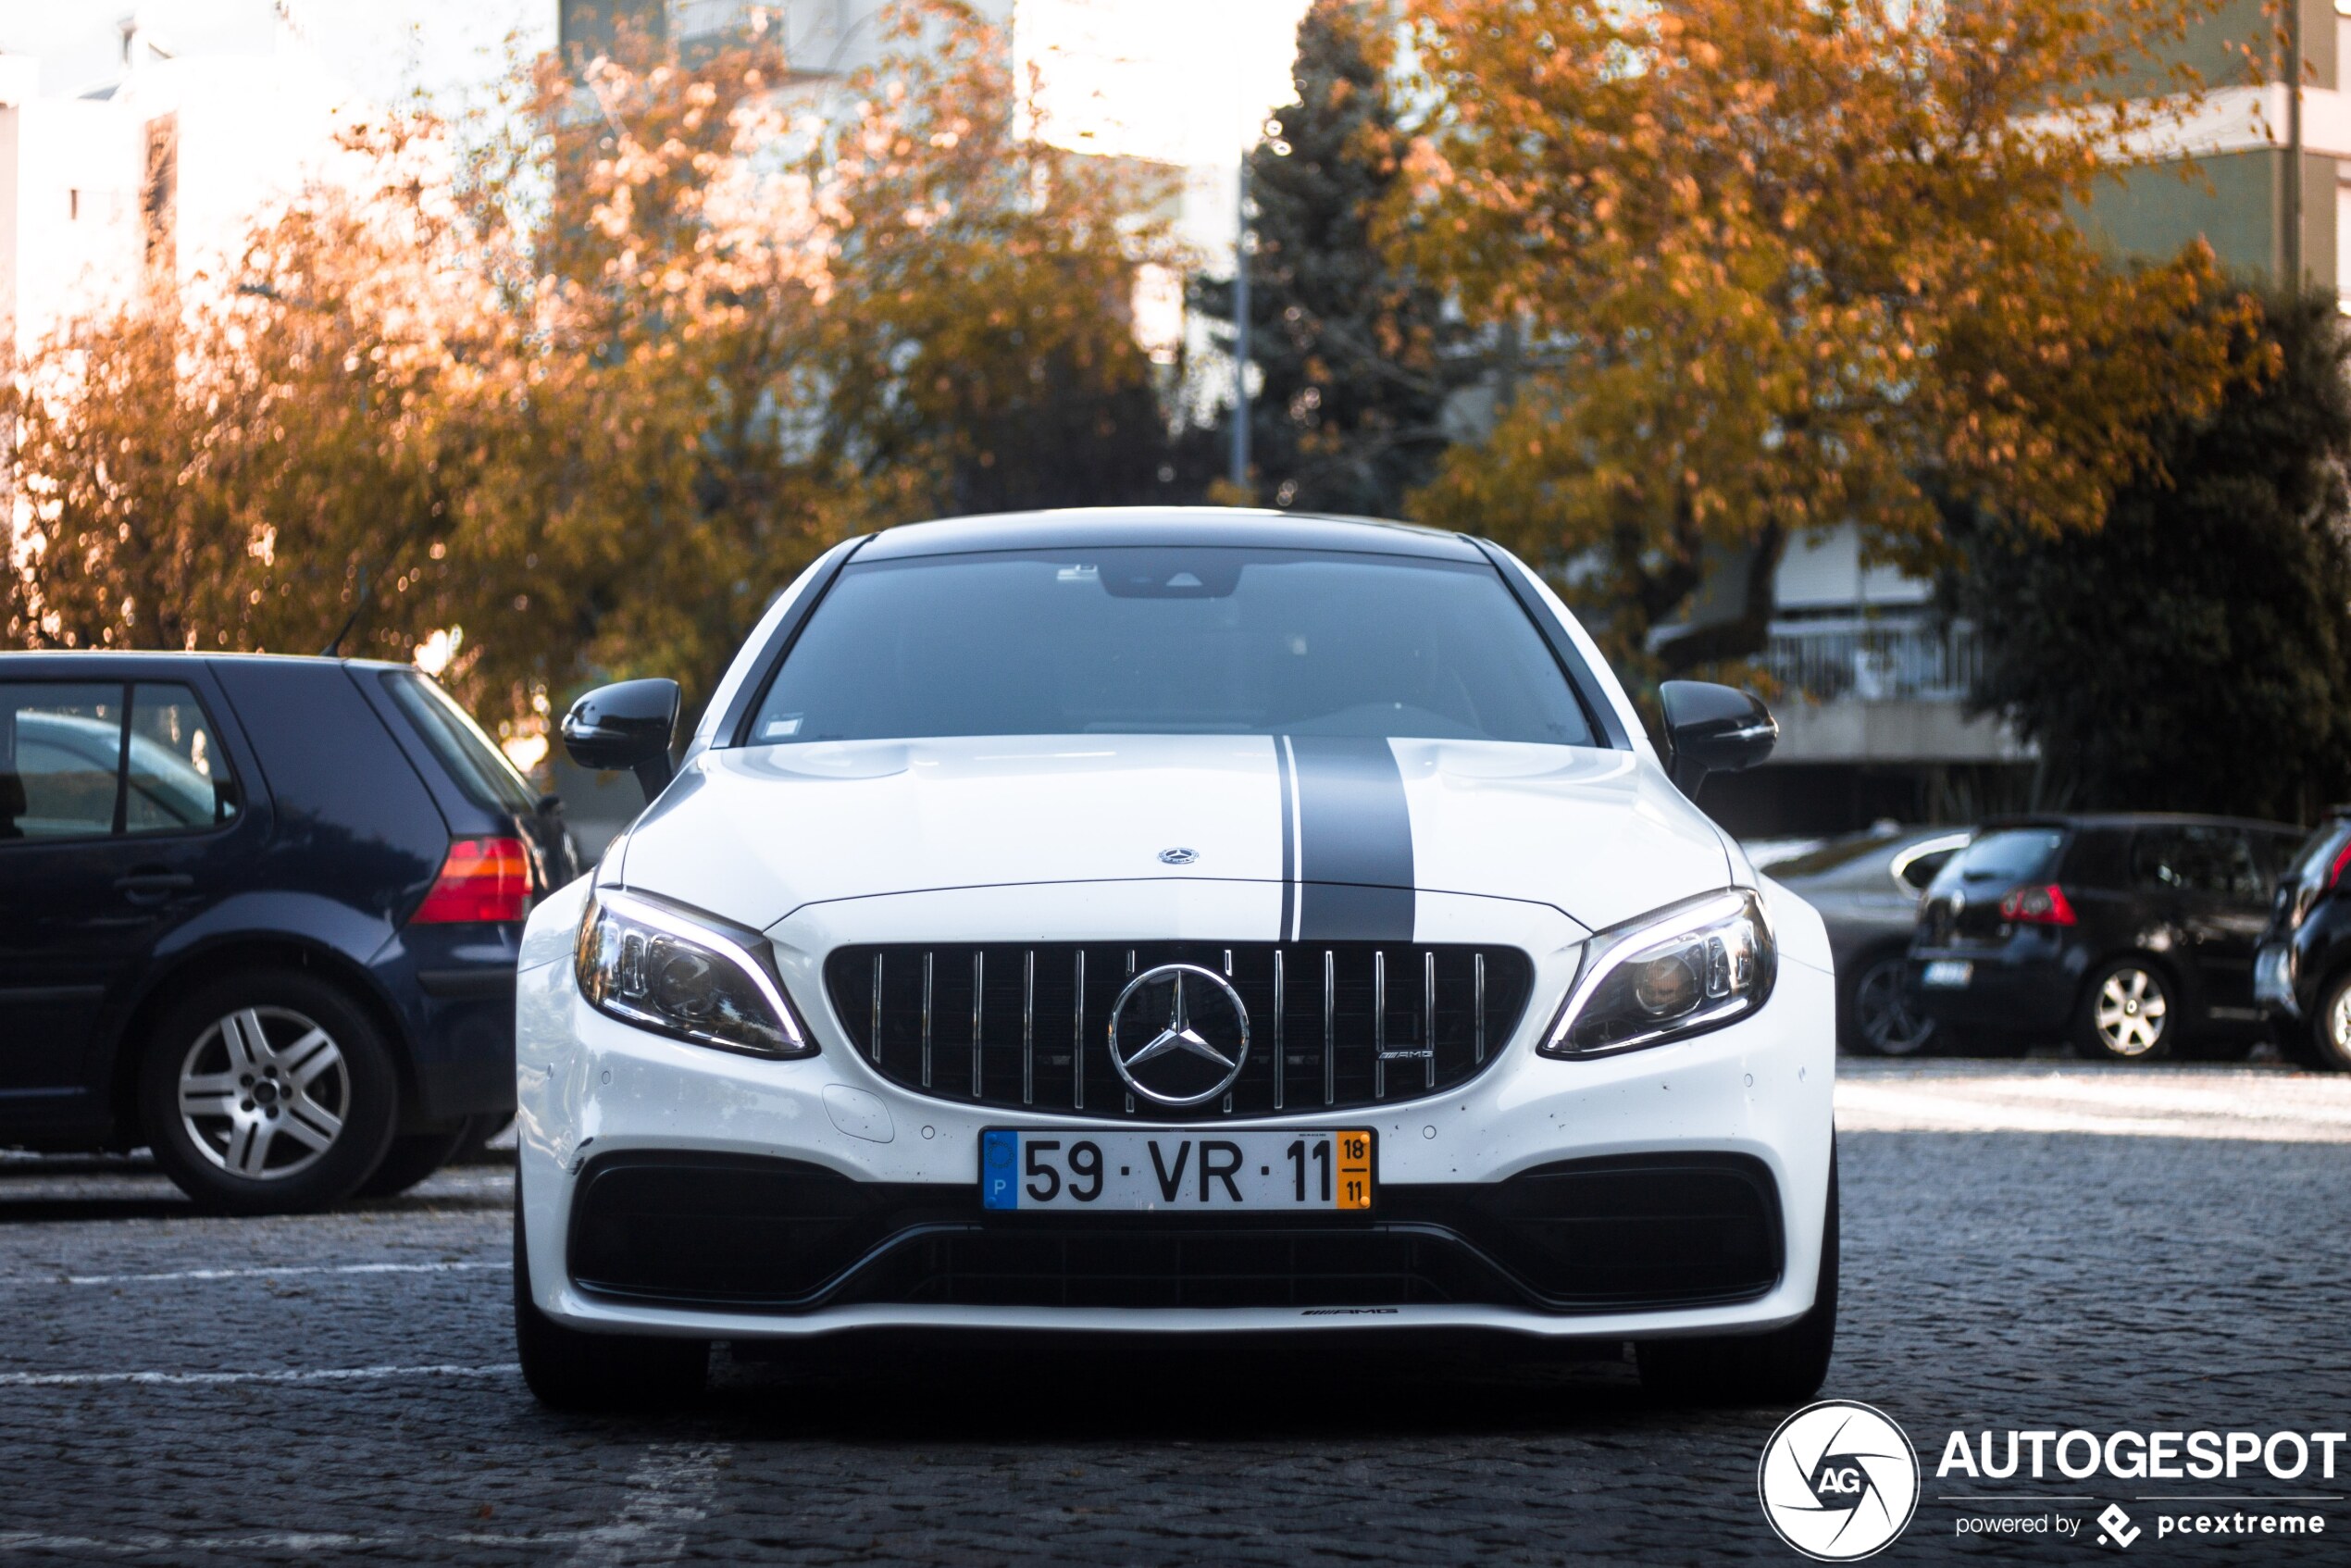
{"points": [[1745, 634]]}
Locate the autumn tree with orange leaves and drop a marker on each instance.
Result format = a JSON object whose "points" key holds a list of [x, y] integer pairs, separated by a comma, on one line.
{"points": [[672, 328], [1750, 268]]}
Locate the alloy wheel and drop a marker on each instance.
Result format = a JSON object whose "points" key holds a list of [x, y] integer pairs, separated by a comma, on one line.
{"points": [[2131, 1011], [2338, 1024], [1887, 1023], [263, 1093]]}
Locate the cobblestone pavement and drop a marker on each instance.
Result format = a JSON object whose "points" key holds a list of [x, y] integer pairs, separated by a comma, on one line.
{"points": [[2019, 1253]]}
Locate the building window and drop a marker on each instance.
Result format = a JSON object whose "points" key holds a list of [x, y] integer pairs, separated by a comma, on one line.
{"points": [[2343, 245]]}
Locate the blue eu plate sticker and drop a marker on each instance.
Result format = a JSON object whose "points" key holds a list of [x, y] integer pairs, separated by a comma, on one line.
{"points": [[998, 1170]]}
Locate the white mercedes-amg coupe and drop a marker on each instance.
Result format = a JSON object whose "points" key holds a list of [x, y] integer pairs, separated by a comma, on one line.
{"points": [[1160, 921]]}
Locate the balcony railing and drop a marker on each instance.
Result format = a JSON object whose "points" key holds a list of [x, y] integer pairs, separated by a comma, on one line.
{"points": [[1873, 661]]}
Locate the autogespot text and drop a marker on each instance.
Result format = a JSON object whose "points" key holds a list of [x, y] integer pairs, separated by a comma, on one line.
{"points": [[2142, 1456]]}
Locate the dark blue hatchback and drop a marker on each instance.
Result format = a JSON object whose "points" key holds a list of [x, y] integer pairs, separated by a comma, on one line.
{"points": [[260, 915]]}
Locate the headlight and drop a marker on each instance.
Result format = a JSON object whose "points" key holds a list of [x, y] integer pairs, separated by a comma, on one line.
{"points": [[1680, 971], [691, 977]]}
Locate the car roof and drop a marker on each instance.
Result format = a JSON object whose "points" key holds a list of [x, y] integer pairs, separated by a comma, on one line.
{"points": [[2131, 819], [1101, 527], [177, 655]]}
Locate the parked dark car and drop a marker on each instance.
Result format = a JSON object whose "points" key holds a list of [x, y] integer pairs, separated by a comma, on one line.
{"points": [[260, 915], [2133, 936], [1867, 888], [2302, 974]]}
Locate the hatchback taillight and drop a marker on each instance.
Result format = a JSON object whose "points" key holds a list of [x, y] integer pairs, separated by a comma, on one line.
{"points": [[2037, 907], [481, 880]]}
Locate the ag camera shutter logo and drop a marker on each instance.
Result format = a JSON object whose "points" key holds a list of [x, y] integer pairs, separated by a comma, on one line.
{"points": [[1839, 1481]]}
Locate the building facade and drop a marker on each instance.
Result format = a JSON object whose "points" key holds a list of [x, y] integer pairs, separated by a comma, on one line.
{"points": [[2263, 172], [154, 177]]}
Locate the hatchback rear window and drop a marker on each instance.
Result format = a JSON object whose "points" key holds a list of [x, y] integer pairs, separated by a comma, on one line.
{"points": [[481, 769], [2314, 862], [2009, 855]]}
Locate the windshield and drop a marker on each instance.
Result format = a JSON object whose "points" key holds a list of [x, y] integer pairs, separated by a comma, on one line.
{"points": [[1174, 641], [2010, 856]]}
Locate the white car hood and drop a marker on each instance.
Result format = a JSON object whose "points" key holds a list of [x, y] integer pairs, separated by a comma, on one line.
{"points": [[1350, 827]]}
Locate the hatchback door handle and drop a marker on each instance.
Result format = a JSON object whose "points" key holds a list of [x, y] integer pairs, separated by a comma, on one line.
{"points": [[154, 887]]}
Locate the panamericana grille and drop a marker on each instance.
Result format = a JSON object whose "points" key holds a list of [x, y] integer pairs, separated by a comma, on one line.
{"points": [[1350, 1024]]}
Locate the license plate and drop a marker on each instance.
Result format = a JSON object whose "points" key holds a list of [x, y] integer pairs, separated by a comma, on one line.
{"points": [[1949, 974], [1124, 1169]]}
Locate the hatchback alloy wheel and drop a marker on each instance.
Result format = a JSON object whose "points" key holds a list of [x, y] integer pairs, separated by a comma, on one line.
{"points": [[2334, 1027], [1883, 1019], [2130, 1012], [263, 1093]]}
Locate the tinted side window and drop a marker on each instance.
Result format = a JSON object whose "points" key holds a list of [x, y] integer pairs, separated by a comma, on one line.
{"points": [[2200, 860], [179, 779], [1921, 868], [60, 759]]}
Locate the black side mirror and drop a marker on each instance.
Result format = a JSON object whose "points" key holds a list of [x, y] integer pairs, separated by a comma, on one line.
{"points": [[1711, 728], [625, 725]]}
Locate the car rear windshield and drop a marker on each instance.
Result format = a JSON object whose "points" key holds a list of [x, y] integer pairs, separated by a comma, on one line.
{"points": [[481, 769], [1174, 641], [2007, 855]]}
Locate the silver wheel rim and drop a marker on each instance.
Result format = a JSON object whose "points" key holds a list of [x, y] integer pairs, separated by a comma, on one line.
{"points": [[263, 1093], [1884, 1013], [2130, 1013], [2339, 1023]]}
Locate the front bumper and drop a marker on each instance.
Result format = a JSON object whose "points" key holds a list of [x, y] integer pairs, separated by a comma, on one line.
{"points": [[1677, 1190]]}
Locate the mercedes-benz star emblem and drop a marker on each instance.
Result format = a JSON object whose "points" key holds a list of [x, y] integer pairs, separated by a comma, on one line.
{"points": [[1178, 1034], [1178, 856]]}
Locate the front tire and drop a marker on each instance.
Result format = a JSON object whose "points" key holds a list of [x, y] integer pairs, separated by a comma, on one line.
{"points": [[1786, 1367], [2130, 1013], [590, 1373], [269, 1091], [1877, 1015]]}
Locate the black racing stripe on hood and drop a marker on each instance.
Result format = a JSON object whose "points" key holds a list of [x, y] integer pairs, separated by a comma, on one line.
{"points": [[1354, 841], [1284, 770]]}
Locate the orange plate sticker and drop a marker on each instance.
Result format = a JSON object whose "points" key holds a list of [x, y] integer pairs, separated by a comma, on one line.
{"points": [[1354, 1169]]}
